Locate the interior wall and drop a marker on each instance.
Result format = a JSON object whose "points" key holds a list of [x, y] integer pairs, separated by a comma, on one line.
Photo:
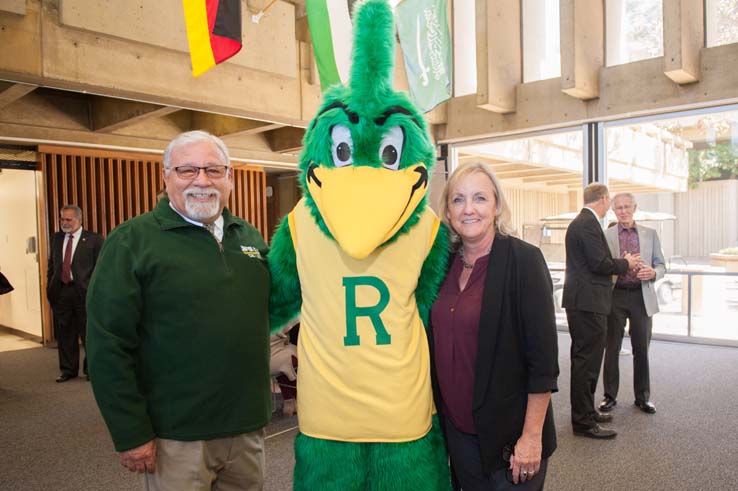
{"points": [[21, 308]]}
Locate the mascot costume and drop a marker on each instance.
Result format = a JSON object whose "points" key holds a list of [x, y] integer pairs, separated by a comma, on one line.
{"points": [[361, 258]]}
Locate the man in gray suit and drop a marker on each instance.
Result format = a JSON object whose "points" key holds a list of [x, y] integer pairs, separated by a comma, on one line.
{"points": [[634, 299]]}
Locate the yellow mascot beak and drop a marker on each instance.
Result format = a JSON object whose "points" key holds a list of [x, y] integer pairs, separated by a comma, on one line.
{"points": [[364, 207]]}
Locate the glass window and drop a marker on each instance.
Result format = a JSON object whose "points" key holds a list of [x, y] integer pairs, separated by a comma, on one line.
{"points": [[465, 49], [721, 21], [683, 172], [634, 30], [541, 40]]}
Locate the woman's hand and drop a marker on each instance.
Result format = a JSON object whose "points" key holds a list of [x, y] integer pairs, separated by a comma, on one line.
{"points": [[526, 462]]}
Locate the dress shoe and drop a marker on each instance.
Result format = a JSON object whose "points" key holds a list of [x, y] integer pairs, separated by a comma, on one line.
{"points": [[602, 418], [646, 406], [64, 377], [597, 431], [607, 404]]}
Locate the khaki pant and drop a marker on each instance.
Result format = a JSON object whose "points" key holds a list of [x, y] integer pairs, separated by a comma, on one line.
{"points": [[223, 464]]}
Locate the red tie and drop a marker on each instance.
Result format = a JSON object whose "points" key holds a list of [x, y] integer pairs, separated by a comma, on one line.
{"points": [[67, 264]]}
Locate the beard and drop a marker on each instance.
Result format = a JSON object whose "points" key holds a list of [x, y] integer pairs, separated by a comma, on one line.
{"points": [[202, 210], [66, 228]]}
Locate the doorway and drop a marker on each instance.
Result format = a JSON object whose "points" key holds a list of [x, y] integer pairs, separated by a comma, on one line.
{"points": [[20, 310]]}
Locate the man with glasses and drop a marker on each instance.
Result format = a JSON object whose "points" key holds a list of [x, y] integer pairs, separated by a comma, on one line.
{"points": [[633, 299], [178, 331]]}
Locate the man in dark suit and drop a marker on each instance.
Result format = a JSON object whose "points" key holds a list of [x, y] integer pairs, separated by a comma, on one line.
{"points": [[587, 298], [72, 259]]}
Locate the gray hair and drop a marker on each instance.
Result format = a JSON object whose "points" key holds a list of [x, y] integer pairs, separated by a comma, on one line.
{"points": [[190, 137], [76, 209], [624, 195], [503, 220]]}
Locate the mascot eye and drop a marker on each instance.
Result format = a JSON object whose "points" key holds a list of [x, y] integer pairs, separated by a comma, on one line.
{"points": [[390, 151], [342, 146]]}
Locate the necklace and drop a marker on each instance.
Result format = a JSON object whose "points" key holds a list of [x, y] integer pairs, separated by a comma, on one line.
{"points": [[466, 264]]}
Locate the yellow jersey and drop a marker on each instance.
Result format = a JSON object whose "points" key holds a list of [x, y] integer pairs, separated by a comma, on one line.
{"points": [[364, 365]]}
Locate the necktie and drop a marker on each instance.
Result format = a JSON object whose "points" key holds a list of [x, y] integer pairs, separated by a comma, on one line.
{"points": [[67, 264], [210, 227]]}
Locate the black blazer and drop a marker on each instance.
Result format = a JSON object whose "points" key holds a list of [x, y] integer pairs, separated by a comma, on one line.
{"points": [[589, 266], [517, 349], [83, 262]]}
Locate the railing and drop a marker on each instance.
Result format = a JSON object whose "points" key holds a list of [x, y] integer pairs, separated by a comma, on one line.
{"points": [[695, 306]]}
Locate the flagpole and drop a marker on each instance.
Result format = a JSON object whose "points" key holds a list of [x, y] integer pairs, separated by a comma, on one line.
{"points": [[257, 17]]}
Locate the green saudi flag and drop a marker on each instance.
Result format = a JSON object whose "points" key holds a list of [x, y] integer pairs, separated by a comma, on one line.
{"points": [[426, 50], [330, 30]]}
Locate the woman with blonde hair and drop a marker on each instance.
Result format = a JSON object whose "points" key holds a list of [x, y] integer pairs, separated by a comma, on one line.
{"points": [[493, 342]]}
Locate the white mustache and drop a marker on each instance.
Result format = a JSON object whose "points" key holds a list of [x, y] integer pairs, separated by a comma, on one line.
{"points": [[193, 191]]}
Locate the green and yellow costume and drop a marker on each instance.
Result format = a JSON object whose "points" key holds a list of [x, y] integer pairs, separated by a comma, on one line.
{"points": [[360, 259]]}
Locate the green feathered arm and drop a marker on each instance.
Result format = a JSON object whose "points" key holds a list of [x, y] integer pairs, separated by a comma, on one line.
{"points": [[432, 274], [285, 298]]}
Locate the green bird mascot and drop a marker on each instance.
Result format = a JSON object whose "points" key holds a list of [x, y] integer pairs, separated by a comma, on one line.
{"points": [[361, 258]]}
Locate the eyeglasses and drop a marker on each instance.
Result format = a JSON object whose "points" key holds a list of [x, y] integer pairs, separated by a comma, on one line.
{"points": [[192, 171]]}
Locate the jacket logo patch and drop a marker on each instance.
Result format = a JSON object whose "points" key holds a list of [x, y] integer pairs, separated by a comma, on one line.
{"points": [[251, 251]]}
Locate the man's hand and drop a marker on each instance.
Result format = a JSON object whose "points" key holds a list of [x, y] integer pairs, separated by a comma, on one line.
{"points": [[646, 273], [140, 459], [633, 260]]}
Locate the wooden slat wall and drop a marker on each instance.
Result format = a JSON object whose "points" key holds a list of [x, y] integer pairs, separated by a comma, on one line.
{"points": [[529, 206], [106, 185], [248, 199], [112, 187]]}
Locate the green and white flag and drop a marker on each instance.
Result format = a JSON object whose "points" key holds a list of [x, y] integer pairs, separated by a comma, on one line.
{"points": [[330, 30], [426, 50]]}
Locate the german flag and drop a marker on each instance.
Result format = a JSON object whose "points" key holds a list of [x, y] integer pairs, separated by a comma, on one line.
{"points": [[213, 32]]}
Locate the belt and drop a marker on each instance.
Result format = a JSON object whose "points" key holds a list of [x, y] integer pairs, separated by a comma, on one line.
{"points": [[628, 287]]}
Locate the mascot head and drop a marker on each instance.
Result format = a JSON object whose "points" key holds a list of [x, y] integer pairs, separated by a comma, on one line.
{"points": [[367, 153]]}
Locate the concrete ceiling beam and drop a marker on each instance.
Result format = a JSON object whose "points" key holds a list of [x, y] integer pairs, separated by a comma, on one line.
{"points": [[683, 39], [108, 114], [499, 61], [11, 92], [582, 47], [285, 140], [228, 126]]}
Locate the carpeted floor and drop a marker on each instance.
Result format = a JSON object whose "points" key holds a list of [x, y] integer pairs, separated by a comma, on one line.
{"points": [[53, 438]]}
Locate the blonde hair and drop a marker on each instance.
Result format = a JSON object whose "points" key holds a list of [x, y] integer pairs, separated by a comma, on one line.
{"points": [[503, 219], [594, 192]]}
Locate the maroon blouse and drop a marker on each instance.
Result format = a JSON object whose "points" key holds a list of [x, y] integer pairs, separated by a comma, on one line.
{"points": [[455, 320]]}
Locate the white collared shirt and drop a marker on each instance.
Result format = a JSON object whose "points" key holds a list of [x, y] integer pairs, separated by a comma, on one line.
{"points": [[217, 230], [600, 220], [75, 236]]}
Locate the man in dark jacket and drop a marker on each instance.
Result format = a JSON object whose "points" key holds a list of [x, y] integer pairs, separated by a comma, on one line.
{"points": [[178, 331], [72, 259], [587, 298]]}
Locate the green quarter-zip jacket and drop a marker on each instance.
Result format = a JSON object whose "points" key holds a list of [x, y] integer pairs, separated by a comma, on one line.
{"points": [[178, 330]]}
